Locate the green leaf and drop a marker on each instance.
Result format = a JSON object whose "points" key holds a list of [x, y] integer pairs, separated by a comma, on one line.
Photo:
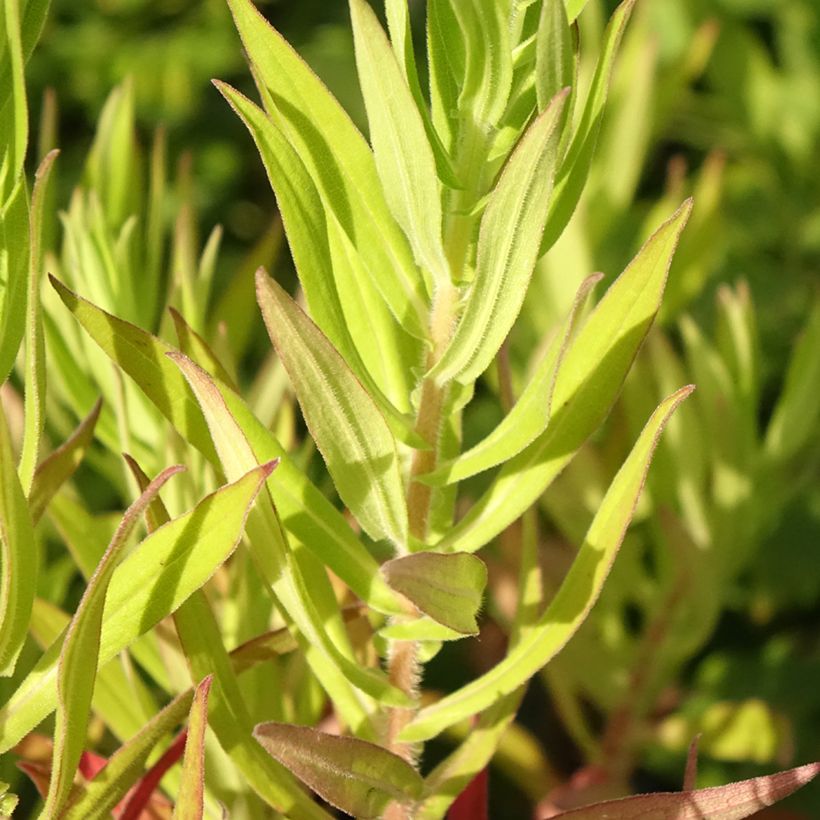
{"points": [[448, 587], [573, 601], [60, 465], [587, 384], [508, 239], [570, 181], [80, 654], [190, 802], [349, 430], [14, 266], [13, 108], [404, 158], [339, 161], [419, 629], [19, 551], [446, 57], [35, 378], [554, 54], [311, 228], [528, 417], [353, 775], [276, 561], [142, 357], [731, 802], [196, 348], [150, 583]]}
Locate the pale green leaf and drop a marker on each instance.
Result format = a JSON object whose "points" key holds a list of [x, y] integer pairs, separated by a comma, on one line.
{"points": [[339, 162], [79, 656], [419, 629], [13, 108], [447, 587], [446, 58], [357, 777], [554, 54], [573, 601], [14, 265], [349, 430], [196, 348], [153, 581], [404, 157], [60, 465], [35, 378], [587, 384], [528, 417], [508, 240], [19, 552], [569, 183], [190, 802]]}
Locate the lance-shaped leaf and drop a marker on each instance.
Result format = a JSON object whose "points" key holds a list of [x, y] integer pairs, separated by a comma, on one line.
{"points": [[14, 222], [554, 53], [35, 380], [151, 582], [447, 587], [79, 656], [508, 239], [19, 553], [587, 384], [196, 348], [190, 802], [529, 416], [305, 511], [339, 161], [349, 430], [310, 232], [731, 802], [60, 465], [575, 168], [404, 157], [573, 601], [13, 105], [353, 775], [277, 564]]}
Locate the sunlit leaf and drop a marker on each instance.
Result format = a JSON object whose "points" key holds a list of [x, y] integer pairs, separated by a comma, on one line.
{"points": [[190, 800], [573, 601], [357, 777]]}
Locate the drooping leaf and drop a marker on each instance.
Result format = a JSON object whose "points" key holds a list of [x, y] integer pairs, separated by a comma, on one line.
{"points": [[508, 240], [731, 802], [80, 652], [35, 379], [339, 161], [199, 542], [357, 777], [190, 800], [570, 181], [60, 465], [349, 430], [19, 553], [529, 416], [404, 157], [447, 587], [587, 383], [573, 601]]}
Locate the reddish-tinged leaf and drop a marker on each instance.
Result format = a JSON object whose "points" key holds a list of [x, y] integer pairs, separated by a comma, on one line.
{"points": [[190, 800], [472, 803], [731, 802]]}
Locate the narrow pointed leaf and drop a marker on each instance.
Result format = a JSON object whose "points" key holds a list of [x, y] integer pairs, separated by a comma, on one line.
{"points": [[60, 465], [339, 161], [357, 777], [349, 430], [529, 416], [731, 802], [404, 158], [508, 240], [448, 588], [555, 57], [196, 348], [574, 599], [19, 553], [14, 264], [80, 653], [35, 380], [190, 802], [146, 587], [587, 384]]}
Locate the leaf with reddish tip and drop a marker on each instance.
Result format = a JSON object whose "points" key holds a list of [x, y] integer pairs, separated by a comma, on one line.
{"points": [[447, 587], [77, 672], [190, 800], [54, 470], [731, 802], [357, 777]]}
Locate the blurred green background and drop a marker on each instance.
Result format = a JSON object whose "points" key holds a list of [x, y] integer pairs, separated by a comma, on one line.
{"points": [[717, 96]]}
